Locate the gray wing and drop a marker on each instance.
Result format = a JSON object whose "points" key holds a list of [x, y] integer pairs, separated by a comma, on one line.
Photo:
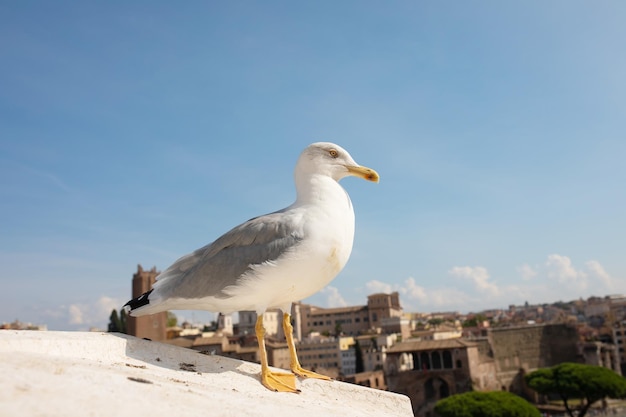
{"points": [[208, 270]]}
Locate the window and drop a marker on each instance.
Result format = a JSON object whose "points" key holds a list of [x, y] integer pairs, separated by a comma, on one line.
{"points": [[436, 358]]}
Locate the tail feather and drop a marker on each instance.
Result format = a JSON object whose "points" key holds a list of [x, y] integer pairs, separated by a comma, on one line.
{"points": [[135, 303]]}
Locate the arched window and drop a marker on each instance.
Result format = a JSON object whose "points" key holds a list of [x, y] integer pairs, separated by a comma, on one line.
{"points": [[424, 361], [416, 361], [444, 390], [436, 357], [447, 359], [435, 389]]}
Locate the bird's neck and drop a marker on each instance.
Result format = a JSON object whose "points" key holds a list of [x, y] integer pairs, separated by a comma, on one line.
{"points": [[315, 189]]}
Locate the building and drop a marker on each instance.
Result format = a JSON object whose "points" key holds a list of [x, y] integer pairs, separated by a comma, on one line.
{"points": [[428, 370], [383, 306], [396, 325], [374, 350], [278, 354], [383, 311], [601, 354], [18, 325], [348, 360], [519, 349], [331, 356], [272, 321], [225, 324], [372, 379], [617, 307], [619, 338], [153, 326], [439, 332], [231, 347], [347, 320], [597, 307]]}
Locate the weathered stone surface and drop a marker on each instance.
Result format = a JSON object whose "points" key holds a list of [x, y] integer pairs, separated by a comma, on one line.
{"points": [[105, 374]]}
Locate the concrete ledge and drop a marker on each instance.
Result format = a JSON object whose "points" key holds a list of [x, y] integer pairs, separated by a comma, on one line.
{"points": [[109, 374]]}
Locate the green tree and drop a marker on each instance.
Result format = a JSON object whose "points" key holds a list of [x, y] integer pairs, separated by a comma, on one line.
{"points": [[485, 404], [569, 381], [474, 321], [115, 324], [123, 321], [435, 322]]}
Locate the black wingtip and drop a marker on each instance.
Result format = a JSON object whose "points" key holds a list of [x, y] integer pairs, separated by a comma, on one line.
{"points": [[140, 301]]}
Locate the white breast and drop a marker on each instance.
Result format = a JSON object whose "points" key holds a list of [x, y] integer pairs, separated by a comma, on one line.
{"points": [[312, 264]]}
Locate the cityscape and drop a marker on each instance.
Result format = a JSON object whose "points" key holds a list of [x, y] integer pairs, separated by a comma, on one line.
{"points": [[487, 259], [426, 356]]}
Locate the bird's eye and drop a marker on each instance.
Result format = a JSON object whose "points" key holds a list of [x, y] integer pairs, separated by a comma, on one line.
{"points": [[334, 153]]}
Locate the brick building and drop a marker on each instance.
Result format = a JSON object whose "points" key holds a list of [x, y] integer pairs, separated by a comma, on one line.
{"points": [[153, 326], [428, 370]]}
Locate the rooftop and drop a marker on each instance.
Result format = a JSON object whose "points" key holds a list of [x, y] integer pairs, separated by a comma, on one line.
{"points": [[419, 345], [336, 310], [104, 374]]}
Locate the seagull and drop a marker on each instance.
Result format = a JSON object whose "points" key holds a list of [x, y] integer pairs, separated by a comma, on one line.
{"points": [[271, 261]]}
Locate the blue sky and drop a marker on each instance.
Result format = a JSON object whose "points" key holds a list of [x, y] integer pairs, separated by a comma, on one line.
{"points": [[136, 132]]}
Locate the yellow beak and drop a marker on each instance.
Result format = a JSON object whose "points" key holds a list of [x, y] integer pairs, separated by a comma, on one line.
{"points": [[364, 172]]}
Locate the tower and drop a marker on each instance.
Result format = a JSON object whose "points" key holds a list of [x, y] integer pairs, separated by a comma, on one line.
{"points": [[382, 306], [153, 326]]}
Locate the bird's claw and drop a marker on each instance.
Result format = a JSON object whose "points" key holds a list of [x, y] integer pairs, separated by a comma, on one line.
{"points": [[309, 374], [279, 382]]}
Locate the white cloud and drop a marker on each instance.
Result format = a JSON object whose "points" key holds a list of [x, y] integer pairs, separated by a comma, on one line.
{"points": [[561, 269], [333, 297], [106, 304], [478, 275], [594, 276], [414, 297], [447, 298], [375, 286], [84, 315], [76, 314], [556, 278], [527, 272], [408, 289], [414, 291], [559, 278], [597, 271]]}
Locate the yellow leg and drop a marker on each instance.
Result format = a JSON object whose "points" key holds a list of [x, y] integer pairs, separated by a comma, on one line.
{"points": [[295, 363], [274, 381]]}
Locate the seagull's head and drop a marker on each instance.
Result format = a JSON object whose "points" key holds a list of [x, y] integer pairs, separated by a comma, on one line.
{"points": [[326, 158]]}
